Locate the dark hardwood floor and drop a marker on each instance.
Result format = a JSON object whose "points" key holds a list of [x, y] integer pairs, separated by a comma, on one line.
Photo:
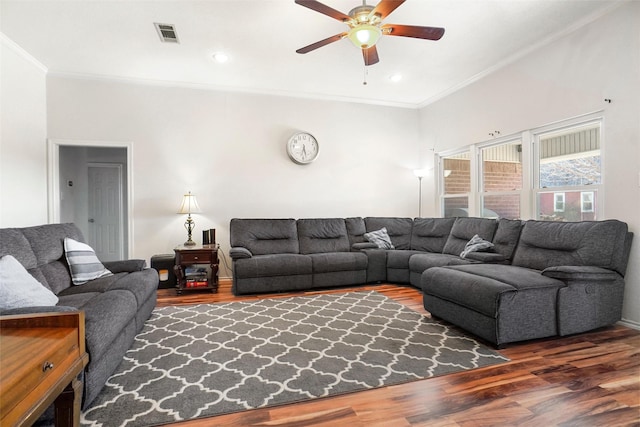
{"points": [[590, 379]]}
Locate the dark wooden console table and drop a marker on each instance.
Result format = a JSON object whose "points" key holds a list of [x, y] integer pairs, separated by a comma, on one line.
{"points": [[41, 356]]}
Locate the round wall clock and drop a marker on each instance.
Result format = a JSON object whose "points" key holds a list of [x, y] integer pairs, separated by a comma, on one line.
{"points": [[303, 148]]}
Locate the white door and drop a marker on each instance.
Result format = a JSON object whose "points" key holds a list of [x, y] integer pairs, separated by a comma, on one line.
{"points": [[105, 211]]}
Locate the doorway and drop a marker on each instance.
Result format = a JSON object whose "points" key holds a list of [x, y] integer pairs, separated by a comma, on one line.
{"points": [[90, 185]]}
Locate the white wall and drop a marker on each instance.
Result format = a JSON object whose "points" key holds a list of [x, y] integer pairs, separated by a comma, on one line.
{"points": [[229, 150], [23, 133], [570, 77]]}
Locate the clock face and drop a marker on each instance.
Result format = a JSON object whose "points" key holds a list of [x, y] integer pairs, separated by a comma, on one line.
{"points": [[303, 148]]}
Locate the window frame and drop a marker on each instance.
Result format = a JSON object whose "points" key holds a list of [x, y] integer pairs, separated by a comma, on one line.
{"points": [[557, 200], [561, 127], [482, 194], [591, 201], [442, 197]]}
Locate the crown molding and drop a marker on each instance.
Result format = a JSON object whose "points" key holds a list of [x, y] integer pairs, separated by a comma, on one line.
{"points": [[228, 89], [6, 41]]}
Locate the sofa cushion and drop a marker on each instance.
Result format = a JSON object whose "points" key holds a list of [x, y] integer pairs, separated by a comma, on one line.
{"points": [[400, 259], [355, 230], [140, 284], [423, 261], [480, 286], [380, 238], [507, 235], [430, 234], [464, 229], [591, 243], [318, 235], [399, 229], [20, 289], [265, 236], [272, 265], [338, 261]]}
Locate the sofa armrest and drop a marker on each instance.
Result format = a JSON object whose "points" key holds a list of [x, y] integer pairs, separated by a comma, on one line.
{"points": [[37, 309], [125, 266], [576, 272], [364, 245], [239, 252], [487, 257]]}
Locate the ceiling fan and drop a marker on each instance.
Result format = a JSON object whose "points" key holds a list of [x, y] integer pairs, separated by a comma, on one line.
{"points": [[365, 27]]}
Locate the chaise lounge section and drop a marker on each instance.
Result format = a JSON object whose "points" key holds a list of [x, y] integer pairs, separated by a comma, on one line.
{"points": [[564, 278]]}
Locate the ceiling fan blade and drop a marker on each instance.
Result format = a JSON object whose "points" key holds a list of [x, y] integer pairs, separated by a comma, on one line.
{"points": [[324, 9], [428, 33], [385, 7], [316, 45], [370, 55]]}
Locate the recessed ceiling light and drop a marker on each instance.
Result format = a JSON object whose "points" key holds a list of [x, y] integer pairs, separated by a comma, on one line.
{"points": [[395, 77], [220, 57]]}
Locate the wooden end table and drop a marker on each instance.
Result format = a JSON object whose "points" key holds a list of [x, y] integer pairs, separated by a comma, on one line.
{"points": [[40, 360], [190, 256]]}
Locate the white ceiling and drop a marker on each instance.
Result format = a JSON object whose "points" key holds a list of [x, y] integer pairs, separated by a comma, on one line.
{"points": [[117, 40]]}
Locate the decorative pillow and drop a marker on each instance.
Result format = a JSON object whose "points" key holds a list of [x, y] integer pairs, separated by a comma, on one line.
{"points": [[380, 238], [18, 288], [83, 262], [476, 244]]}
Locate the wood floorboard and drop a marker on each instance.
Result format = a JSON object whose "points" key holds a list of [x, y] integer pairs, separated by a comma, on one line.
{"points": [[590, 379]]}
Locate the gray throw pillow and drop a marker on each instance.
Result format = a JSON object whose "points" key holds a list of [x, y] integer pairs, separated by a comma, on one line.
{"points": [[380, 238], [83, 262], [476, 244], [18, 288]]}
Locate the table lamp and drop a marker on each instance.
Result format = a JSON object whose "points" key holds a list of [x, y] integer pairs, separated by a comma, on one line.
{"points": [[189, 206]]}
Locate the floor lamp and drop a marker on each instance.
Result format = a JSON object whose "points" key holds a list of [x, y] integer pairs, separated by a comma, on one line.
{"points": [[420, 173]]}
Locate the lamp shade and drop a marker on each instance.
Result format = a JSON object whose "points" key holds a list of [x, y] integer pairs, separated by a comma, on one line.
{"points": [[189, 204]]}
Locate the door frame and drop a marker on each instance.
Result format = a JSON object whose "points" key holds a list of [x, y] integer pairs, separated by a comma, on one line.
{"points": [[53, 179]]}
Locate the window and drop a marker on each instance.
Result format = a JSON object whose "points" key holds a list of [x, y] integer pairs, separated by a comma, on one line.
{"points": [[551, 173], [558, 202], [456, 179], [501, 179], [568, 162], [587, 201]]}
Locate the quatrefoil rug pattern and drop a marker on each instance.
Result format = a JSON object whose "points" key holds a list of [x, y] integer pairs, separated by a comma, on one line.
{"points": [[210, 359]]}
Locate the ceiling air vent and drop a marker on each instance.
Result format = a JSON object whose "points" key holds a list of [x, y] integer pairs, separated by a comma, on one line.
{"points": [[167, 33]]}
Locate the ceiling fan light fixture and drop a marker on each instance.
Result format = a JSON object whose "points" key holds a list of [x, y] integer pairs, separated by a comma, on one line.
{"points": [[364, 36]]}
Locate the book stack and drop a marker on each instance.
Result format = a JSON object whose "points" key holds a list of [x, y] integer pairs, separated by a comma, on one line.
{"points": [[196, 277]]}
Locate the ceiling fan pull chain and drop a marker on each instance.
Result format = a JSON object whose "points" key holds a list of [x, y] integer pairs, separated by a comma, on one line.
{"points": [[366, 72]]}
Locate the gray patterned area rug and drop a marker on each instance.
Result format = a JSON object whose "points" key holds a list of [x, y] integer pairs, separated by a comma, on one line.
{"points": [[211, 359]]}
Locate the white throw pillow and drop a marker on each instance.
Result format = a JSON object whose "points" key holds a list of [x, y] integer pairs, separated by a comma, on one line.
{"points": [[18, 288], [83, 262]]}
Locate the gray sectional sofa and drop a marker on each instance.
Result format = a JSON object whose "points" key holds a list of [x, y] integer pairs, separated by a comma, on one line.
{"points": [[115, 306], [539, 279]]}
